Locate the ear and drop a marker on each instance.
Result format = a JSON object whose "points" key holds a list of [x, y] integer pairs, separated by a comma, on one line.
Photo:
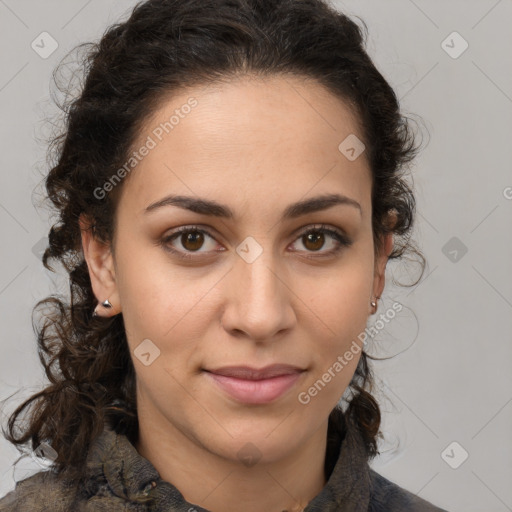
{"points": [[100, 263], [381, 260]]}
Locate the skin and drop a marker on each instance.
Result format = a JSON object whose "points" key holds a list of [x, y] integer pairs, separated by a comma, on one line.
{"points": [[255, 145]]}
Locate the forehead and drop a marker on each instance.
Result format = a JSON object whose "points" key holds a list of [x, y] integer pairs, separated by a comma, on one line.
{"points": [[273, 136]]}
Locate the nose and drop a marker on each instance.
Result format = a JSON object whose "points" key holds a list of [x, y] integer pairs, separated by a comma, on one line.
{"points": [[258, 300]]}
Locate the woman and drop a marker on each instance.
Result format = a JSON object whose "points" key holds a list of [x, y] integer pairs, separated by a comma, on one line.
{"points": [[230, 190]]}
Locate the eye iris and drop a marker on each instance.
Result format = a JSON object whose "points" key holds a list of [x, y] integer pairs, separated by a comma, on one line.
{"points": [[194, 237], [317, 239]]}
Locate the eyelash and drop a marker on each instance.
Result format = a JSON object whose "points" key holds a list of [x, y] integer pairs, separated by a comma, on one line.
{"points": [[339, 236]]}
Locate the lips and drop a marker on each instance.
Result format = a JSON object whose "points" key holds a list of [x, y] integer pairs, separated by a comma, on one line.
{"points": [[255, 386], [248, 373]]}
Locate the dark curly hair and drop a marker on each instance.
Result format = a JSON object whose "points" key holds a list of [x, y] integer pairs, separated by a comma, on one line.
{"points": [[163, 46]]}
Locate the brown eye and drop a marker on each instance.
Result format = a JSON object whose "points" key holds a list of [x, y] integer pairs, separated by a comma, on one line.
{"points": [[192, 241], [313, 241], [187, 240]]}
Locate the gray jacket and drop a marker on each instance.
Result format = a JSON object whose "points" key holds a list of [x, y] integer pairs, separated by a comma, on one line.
{"points": [[119, 479]]}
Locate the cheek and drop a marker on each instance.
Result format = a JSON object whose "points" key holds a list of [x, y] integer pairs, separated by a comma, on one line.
{"points": [[340, 299], [155, 294], [338, 311]]}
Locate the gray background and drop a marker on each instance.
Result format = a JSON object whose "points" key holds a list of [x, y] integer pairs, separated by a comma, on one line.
{"points": [[452, 380]]}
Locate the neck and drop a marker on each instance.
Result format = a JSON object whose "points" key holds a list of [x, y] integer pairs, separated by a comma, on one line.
{"points": [[219, 484]]}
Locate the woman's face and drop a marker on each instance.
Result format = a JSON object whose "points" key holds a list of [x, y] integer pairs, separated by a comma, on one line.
{"points": [[245, 286]]}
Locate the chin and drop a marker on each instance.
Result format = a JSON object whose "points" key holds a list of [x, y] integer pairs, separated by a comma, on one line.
{"points": [[257, 439]]}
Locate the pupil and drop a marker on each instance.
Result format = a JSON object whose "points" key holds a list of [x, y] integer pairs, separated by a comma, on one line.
{"points": [[318, 237], [195, 239]]}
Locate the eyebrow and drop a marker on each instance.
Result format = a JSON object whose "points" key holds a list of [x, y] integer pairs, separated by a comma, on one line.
{"points": [[212, 208]]}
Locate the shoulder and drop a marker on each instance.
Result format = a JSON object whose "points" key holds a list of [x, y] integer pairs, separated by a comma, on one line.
{"points": [[386, 495], [38, 493]]}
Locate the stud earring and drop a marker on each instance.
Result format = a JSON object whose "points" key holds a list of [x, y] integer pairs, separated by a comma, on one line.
{"points": [[106, 304]]}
